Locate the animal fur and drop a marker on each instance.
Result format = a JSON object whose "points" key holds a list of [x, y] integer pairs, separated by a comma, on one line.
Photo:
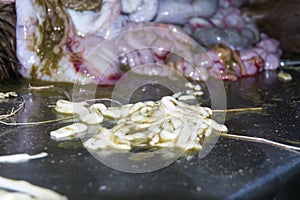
{"points": [[9, 64]]}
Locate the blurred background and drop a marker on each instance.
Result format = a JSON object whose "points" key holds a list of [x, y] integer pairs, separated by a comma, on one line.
{"points": [[279, 19]]}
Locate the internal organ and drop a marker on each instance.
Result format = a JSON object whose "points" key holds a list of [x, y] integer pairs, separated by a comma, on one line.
{"points": [[53, 41], [226, 26], [233, 64]]}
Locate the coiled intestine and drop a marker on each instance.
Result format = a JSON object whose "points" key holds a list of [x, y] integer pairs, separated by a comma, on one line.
{"points": [[234, 45]]}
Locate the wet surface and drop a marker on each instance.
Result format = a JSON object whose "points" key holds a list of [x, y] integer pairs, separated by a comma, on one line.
{"points": [[234, 169]]}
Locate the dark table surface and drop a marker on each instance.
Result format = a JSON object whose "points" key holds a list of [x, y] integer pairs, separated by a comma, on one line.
{"points": [[234, 169]]}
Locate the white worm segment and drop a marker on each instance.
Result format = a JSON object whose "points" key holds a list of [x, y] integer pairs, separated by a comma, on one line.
{"points": [[107, 139], [23, 157], [177, 94], [7, 95], [208, 132], [143, 125], [150, 103], [154, 140], [154, 129], [215, 125], [186, 97], [67, 107], [145, 110], [92, 118], [189, 85], [30, 189], [176, 123], [69, 131], [4, 195], [165, 144], [197, 87], [184, 136], [191, 93], [166, 135], [169, 103], [113, 113], [98, 107], [198, 93], [136, 107]]}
